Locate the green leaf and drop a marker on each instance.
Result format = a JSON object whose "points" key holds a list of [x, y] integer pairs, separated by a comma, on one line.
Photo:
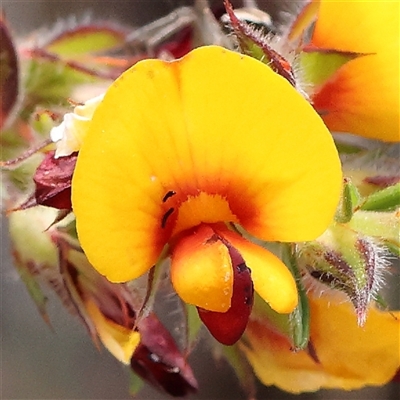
{"points": [[383, 200], [87, 39]]}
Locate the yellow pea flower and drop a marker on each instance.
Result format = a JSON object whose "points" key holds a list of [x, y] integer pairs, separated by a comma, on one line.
{"points": [[178, 151], [362, 96], [345, 355]]}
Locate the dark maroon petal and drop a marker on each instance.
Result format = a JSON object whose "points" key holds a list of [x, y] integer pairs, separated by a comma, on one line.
{"points": [[228, 327], [158, 360], [53, 181]]}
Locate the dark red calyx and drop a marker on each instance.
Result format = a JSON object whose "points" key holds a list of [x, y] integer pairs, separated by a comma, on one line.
{"points": [[158, 360], [53, 181]]}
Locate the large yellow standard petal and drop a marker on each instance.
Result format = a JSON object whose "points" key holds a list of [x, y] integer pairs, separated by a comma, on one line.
{"points": [[214, 128], [350, 357], [363, 96]]}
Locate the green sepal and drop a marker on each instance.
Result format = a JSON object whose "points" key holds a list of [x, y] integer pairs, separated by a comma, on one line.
{"points": [[383, 200], [318, 65], [348, 203], [345, 260], [296, 325], [300, 317]]}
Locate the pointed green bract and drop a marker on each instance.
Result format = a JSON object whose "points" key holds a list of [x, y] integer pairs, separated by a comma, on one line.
{"points": [[349, 201]]}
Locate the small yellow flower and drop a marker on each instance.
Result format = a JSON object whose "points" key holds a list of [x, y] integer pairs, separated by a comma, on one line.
{"points": [[345, 356], [177, 151], [362, 97]]}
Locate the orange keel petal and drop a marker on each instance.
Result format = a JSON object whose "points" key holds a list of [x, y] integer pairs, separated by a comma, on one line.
{"points": [[201, 270]]}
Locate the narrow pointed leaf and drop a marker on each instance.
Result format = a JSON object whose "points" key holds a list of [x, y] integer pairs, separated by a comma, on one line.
{"points": [[300, 317], [384, 200]]}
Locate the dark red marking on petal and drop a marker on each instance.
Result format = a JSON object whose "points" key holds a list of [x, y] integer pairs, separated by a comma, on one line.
{"points": [[158, 360], [228, 327], [166, 216], [53, 181], [168, 195]]}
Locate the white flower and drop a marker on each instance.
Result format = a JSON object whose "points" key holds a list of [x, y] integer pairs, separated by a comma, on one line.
{"points": [[69, 135]]}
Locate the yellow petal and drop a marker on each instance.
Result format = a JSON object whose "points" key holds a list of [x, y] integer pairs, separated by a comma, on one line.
{"points": [[363, 97], [215, 122], [201, 270], [360, 26], [119, 341], [303, 20], [350, 357], [271, 278]]}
